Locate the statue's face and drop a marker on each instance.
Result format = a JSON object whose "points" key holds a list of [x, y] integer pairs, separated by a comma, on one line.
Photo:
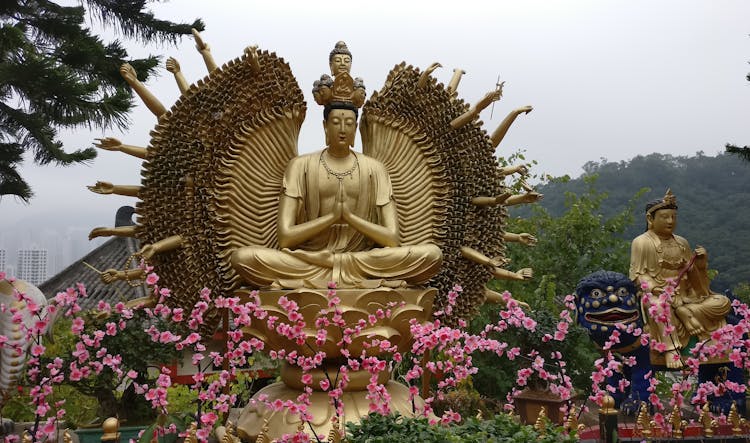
{"points": [[340, 129], [664, 221], [340, 63]]}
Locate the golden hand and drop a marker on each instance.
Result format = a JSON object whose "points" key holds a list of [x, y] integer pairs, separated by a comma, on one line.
{"points": [[128, 73], [147, 251], [498, 262], [97, 232], [173, 65], [531, 197], [110, 275], [108, 143], [524, 109], [102, 188], [700, 251], [490, 97], [525, 274], [200, 45], [527, 239], [345, 214]]}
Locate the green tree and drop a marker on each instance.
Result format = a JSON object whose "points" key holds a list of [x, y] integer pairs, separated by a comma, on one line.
{"points": [[55, 73], [571, 245], [578, 241], [712, 193], [137, 351]]}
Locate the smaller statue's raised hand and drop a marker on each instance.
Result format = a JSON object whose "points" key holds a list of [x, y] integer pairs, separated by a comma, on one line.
{"points": [[108, 143], [173, 65], [700, 251], [128, 73], [102, 188]]}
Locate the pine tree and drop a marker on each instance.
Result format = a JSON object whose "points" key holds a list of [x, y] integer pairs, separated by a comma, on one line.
{"points": [[55, 73]]}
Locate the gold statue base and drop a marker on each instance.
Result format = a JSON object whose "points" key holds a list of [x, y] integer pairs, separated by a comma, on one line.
{"points": [[256, 415], [366, 307]]}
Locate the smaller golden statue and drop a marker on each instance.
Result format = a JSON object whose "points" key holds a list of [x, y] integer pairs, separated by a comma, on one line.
{"points": [[734, 419], [644, 424], [678, 424], [707, 422], [572, 426], [541, 421], [659, 256], [192, 432]]}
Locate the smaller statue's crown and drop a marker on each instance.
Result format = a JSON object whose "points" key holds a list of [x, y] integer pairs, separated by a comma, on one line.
{"points": [[668, 201]]}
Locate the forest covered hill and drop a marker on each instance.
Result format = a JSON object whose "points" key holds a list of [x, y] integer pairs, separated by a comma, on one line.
{"points": [[713, 195]]}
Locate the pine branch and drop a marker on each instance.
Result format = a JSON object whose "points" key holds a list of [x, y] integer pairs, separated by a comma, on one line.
{"points": [[54, 73], [131, 18], [11, 183]]}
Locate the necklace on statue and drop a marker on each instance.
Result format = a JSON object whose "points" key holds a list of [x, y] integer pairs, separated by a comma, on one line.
{"points": [[339, 175]]}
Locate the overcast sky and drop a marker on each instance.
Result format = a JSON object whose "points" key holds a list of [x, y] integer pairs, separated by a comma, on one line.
{"points": [[611, 79]]}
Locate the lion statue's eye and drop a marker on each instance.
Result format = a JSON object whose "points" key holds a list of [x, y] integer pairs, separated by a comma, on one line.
{"points": [[597, 293], [622, 292]]}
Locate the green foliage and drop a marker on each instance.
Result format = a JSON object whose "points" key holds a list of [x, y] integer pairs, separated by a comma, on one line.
{"points": [[80, 409], [138, 352], [499, 429], [496, 376], [573, 242], [467, 401], [712, 194], [54, 73], [578, 241]]}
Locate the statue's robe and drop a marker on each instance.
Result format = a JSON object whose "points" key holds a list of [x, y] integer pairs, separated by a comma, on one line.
{"points": [[660, 260], [340, 253]]}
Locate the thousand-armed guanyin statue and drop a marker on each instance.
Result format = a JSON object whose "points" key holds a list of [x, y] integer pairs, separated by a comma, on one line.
{"points": [[226, 202]]}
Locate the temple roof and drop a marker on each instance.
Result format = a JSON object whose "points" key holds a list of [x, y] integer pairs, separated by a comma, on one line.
{"points": [[113, 253]]}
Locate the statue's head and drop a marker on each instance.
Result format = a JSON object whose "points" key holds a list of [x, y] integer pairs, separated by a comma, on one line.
{"points": [[340, 59], [661, 215], [340, 124], [605, 299]]}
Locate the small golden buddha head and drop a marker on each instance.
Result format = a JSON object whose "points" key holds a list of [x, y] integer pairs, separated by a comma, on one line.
{"points": [[340, 59], [341, 87]]}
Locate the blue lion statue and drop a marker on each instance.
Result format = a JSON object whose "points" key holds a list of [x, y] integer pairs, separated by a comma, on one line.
{"points": [[604, 299]]}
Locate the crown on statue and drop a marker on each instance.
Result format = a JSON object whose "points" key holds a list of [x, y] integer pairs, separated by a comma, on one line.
{"points": [[668, 201], [342, 88]]}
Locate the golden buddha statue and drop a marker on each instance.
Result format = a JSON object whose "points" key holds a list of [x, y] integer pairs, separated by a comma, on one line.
{"points": [[227, 202], [334, 206], [658, 255]]}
